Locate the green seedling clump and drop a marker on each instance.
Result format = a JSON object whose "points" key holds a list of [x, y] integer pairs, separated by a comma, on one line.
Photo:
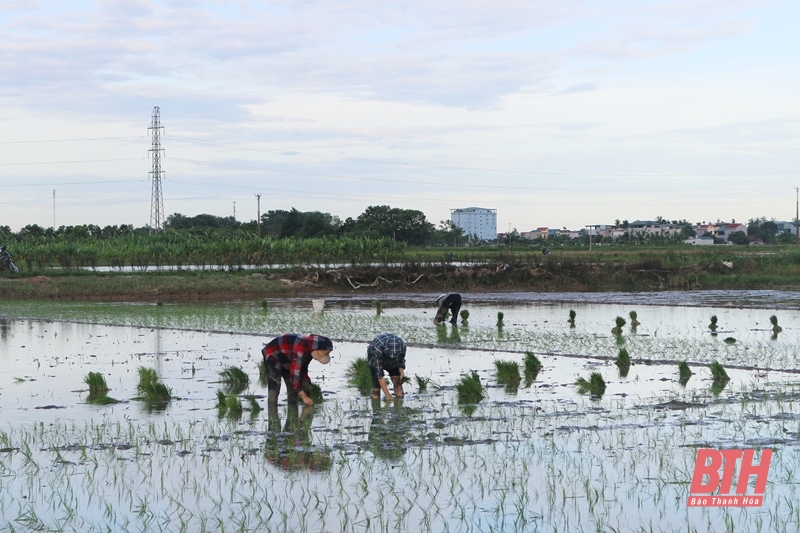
{"points": [[98, 390], [634, 316], [508, 373], [775, 327], [422, 383], [595, 385], [464, 317], [713, 326], [718, 372], [150, 389], [500, 319], [378, 309], [229, 403], [96, 382], [470, 389], [360, 376], [314, 392], [234, 376], [532, 367], [684, 372], [620, 322], [572, 315], [623, 362], [730, 340]]}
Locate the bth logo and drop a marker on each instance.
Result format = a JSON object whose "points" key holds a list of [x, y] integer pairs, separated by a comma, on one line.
{"points": [[710, 489]]}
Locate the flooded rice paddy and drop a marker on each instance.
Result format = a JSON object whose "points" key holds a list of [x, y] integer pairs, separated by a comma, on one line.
{"points": [[537, 458]]}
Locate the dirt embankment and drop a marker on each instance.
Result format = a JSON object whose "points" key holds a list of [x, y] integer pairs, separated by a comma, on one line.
{"points": [[221, 285]]}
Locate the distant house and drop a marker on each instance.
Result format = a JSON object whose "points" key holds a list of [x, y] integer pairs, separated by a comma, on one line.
{"points": [[653, 227], [726, 230], [705, 240], [538, 233]]}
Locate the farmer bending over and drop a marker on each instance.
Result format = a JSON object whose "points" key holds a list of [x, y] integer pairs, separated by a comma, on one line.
{"points": [[387, 352], [288, 357], [450, 301]]}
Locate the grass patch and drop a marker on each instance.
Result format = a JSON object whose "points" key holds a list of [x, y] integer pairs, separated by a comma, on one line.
{"points": [[470, 389], [595, 385], [718, 372]]}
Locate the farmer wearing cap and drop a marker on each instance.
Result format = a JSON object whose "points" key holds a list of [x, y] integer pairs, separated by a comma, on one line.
{"points": [[451, 301], [288, 357], [387, 352]]}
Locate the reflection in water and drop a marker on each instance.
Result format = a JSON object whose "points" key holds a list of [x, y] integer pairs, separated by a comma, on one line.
{"points": [[5, 328], [442, 336], [393, 426], [291, 448]]}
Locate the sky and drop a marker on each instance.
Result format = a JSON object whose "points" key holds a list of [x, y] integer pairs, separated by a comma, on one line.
{"points": [[559, 113]]}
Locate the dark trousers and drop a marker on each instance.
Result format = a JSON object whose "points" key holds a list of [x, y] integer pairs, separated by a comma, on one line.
{"points": [[275, 374], [453, 303]]}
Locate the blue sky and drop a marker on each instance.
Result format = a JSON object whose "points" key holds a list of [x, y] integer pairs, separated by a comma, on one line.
{"points": [[557, 114]]}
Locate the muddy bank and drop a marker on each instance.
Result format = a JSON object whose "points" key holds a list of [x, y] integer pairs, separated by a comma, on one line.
{"points": [[547, 277]]}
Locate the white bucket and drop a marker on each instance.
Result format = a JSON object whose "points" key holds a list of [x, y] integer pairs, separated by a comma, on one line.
{"points": [[319, 305]]}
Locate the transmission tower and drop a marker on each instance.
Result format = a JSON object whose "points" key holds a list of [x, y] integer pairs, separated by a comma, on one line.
{"points": [[157, 202]]}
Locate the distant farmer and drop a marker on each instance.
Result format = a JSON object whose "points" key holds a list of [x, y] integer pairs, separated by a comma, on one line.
{"points": [[450, 301], [287, 357], [387, 352]]}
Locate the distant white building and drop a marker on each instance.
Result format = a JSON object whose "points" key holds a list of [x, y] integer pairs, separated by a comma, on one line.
{"points": [[476, 222]]}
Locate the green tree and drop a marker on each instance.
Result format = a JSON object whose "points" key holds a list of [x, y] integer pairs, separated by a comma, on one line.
{"points": [[739, 237]]}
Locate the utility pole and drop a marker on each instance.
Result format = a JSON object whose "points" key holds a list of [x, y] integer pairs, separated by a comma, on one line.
{"points": [[157, 201], [54, 209], [796, 213], [234, 210], [259, 215]]}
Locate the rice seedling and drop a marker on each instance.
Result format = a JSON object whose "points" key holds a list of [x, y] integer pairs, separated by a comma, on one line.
{"points": [[359, 375], [234, 377], [620, 322], [775, 327], [572, 315], [264, 304], [422, 382], [229, 404], [96, 382], [713, 325], [719, 378], [262, 373], [377, 304], [470, 389], [500, 319], [253, 405], [314, 392], [634, 321], [718, 372], [508, 373], [98, 390], [532, 367], [684, 373], [150, 389], [464, 317], [595, 385], [623, 362]]}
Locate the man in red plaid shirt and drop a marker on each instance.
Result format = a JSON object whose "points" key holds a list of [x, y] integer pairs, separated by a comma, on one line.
{"points": [[287, 357]]}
